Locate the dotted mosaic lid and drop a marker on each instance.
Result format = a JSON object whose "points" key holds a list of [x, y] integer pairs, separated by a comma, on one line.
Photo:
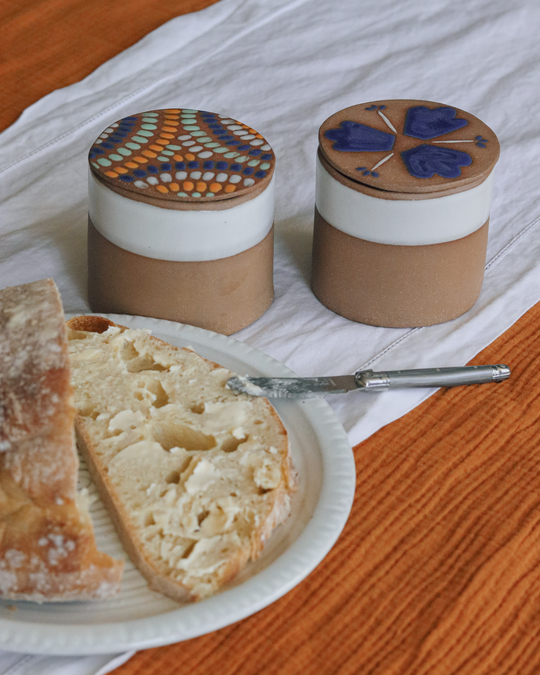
{"points": [[408, 146], [182, 155]]}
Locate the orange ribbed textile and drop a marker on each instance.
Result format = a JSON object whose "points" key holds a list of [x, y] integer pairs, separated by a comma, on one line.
{"points": [[48, 44], [438, 569]]}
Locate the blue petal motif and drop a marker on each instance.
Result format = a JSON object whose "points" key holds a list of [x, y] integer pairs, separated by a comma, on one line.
{"points": [[355, 137], [366, 172], [424, 123], [426, 160]]}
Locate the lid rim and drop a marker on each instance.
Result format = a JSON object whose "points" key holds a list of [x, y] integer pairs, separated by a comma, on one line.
{"points": [[184, 205], [399, 194]]}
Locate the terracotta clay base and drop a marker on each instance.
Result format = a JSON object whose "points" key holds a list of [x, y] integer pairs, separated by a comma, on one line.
{"points": [[396, 286], [222, 295]]}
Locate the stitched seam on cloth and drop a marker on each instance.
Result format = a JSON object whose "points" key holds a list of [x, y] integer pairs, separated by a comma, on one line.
{"points": [[413, 331], [511, 244], [150, 86], [16, 668], [492, 263]]}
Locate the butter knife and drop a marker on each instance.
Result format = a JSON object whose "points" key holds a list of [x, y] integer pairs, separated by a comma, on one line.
{"points": [[367, 380]]}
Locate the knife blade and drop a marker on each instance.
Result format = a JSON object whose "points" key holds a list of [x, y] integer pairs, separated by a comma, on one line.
{"points": [[367, 380]]}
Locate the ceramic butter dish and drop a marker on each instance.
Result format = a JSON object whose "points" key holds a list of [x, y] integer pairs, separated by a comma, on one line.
{"points": [[401, 212], [181, 209]]}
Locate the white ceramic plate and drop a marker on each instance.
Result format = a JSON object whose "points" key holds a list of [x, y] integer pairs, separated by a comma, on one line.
{"points": [[139, 618]]}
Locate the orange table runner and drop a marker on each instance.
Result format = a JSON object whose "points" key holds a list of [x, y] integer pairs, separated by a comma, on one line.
{"points": [[438, 568]]}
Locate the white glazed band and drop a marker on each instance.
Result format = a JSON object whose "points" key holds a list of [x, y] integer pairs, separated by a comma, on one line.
{"points": [[401, 222], [169, 234]]}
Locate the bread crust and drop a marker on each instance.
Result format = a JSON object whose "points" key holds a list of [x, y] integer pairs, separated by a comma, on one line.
{"points": [[47, 547], [159, 578], [120, 517]]}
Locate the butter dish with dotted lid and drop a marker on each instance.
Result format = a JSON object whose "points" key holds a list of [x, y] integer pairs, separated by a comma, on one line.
{"points": [[180, 227], [402, 211]]}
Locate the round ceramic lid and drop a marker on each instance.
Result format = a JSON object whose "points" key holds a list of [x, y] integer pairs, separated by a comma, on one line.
{"points": [[409, 146], [182, 155]]}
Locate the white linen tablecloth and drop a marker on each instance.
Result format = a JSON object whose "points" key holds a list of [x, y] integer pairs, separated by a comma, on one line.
{"points": [[283, 67], [26, 664]]}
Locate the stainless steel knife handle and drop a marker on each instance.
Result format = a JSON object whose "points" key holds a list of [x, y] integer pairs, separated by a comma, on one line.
{"points": [[431, 377]]}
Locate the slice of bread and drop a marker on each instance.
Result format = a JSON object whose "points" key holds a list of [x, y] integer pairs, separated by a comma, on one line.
{"points": [[195, 477], [47, 547]]}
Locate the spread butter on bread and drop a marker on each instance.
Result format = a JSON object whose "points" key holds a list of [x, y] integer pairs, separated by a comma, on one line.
{"points": [[194, 476], [47, 547]]}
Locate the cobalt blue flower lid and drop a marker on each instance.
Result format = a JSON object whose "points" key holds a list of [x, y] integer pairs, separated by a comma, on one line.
{"points": [[409, 146], [182, 155]]}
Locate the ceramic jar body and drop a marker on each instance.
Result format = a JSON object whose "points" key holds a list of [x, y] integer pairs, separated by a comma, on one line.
{"points": [[207, 268], [398, 262]]}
